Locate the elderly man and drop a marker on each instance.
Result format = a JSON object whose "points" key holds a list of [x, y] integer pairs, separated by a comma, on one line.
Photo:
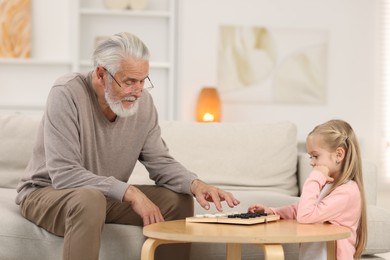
{"points": [[95, 128]]}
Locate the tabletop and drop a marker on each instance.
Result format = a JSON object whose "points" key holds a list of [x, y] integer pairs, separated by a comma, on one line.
{"points": [[281, 231]]}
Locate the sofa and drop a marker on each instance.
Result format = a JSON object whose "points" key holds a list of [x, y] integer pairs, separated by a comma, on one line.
{"points": [[258, 163]]}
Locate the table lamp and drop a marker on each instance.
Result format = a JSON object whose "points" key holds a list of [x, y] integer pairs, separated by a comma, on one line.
{"points": [[208, 106]]}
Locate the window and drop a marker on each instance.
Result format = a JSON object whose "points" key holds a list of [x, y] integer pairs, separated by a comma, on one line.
{"points": [[384, 43]]}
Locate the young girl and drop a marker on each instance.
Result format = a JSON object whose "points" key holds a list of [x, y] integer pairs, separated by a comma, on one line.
{"points": [[333, 192]]}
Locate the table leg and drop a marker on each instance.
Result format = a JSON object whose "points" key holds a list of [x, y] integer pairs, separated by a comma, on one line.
{"points": [[272, 251], [331, 250], [150, 245], [233, 251]]}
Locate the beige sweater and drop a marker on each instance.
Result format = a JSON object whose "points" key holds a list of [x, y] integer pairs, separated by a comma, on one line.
{"points": [[77, 146]]}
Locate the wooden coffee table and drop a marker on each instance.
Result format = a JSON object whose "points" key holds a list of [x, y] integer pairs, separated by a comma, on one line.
{"points": [[269, 236]]}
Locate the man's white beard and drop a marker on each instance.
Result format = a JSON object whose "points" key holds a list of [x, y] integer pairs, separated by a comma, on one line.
{"points": [[116, 106]]}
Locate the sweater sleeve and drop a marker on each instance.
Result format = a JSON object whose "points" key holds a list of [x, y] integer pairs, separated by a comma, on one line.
{"points": [[162, 167], [330, 207], [286, 212], [63, 149]]}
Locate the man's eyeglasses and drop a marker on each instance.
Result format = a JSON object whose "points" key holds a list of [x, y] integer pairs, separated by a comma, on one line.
{"points": [[148, 85]]}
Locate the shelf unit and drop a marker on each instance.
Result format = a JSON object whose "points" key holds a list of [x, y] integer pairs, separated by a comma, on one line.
{"points": [[87, 20], [155, 25]]}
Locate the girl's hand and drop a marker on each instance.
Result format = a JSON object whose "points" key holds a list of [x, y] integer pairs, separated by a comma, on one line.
{"points": [[260, 208], [325, 171]]}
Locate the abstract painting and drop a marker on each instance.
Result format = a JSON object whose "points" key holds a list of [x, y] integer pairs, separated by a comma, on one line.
{"points": [[15, 28], [272, 65]]}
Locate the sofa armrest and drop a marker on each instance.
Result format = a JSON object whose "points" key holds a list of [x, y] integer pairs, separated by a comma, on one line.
{"points": [[304, 169], [369, 176], [17, 136]]}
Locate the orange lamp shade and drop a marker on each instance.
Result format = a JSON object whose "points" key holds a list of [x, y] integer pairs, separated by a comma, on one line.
{"points": [[209, 105]]}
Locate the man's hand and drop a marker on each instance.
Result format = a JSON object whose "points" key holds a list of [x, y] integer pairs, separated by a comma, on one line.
{"points": [[205, 193], [143, 206]]}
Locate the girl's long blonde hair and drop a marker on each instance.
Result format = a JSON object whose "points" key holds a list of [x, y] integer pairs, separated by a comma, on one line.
{"points": [[338, 133]]}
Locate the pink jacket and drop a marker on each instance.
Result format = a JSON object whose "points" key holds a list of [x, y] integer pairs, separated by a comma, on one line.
{"points": [[341, 207]]}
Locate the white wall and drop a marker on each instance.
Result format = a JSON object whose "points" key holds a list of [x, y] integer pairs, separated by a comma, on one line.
{"points": [[51, 29], [352, 86]]}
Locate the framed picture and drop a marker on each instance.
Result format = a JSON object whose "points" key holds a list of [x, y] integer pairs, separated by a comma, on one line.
{"points": [[272, 65], [15, 29]]}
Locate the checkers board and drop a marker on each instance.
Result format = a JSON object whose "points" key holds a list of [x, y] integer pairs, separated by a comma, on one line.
{"points": [[233, 218]]}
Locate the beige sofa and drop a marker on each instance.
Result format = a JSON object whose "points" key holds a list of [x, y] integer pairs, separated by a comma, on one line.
{"points": [[256, 162]]}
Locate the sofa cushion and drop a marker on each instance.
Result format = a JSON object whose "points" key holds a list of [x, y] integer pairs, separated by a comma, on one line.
{"points": [[378, 240], [235, 155], [20, 239], [17, 135]]}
